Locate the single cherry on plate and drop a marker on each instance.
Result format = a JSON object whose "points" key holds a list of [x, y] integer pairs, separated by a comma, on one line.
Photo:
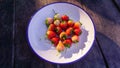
{"points": [[55, 41], [51, 27], [58, 30], [63, 35], [70, 23], [63, 25], [48, 21], [77, 25], [50, 34], [67, 43], [60, 47], [77, 31], [69, 31], [75, 38], [64, 17]]}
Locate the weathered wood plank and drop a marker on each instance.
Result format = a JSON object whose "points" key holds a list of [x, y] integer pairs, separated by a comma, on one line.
{"points": [[106, 18], [24, 56], [6, 23], [110, 50]]}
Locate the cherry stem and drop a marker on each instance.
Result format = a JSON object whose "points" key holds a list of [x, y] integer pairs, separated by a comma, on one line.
{"points": [[54, 11]]}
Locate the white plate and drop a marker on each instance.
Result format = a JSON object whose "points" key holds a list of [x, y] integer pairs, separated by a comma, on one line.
{"points": [[43, 48]]}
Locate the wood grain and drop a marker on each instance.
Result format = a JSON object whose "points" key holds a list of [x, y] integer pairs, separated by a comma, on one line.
{"points": [[110, 50]]}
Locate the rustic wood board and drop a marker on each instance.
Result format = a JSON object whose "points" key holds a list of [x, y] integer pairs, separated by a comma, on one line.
{"points": [[110, 49]]}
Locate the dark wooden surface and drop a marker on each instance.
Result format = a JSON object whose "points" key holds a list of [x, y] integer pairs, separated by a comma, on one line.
{"points": [[16, 53], [6, 29]]}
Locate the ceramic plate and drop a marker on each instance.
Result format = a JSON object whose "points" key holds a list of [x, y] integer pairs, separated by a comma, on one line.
{"points": [[44, 49]]}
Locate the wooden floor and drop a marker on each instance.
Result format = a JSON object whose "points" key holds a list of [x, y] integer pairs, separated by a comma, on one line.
{"points": [[16, 53]]}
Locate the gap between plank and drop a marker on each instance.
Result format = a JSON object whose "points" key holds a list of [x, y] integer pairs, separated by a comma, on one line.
{"points": [[58, 66], [13, 36], [106, 63], [116, 4]]}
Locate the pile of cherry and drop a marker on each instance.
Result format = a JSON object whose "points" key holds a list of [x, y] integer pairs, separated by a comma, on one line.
{"points": [[62, 31]]}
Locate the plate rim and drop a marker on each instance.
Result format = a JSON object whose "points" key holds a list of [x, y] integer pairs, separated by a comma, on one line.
{"points": [[56, 3]]}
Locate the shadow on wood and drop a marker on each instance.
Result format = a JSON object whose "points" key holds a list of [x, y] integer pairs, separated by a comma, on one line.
{"points": [[105, 8], [110, 50]]}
